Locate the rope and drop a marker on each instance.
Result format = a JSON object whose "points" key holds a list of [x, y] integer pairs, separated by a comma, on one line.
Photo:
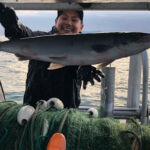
{"points": [[4, 135], [23, 138], [63, 122], [38, 145], [2, 117], [141, 133], [54, 119], [7, 123], [32, 129], [142, 138]]}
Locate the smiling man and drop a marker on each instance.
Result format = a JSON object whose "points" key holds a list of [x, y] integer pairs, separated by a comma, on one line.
{"points": [[64, 83], [69, 21]]}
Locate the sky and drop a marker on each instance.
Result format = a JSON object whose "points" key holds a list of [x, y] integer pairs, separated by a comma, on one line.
{"points": [[94, 21]]}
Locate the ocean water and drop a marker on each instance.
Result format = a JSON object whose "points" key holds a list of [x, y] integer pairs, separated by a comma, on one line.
{"points": [[13, 76]]}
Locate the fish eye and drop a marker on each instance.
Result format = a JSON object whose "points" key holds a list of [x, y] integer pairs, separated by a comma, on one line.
{"points": [[93, 113], [55, 103], [25, 114]]}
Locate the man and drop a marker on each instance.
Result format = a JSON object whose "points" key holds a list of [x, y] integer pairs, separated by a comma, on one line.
{"points": [[64, 83]]}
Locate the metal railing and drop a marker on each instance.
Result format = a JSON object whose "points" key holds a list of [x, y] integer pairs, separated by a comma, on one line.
{"points": [[136, 111]]}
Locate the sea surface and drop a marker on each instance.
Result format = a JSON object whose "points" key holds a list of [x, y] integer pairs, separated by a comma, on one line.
{"points": [[13, 76]]}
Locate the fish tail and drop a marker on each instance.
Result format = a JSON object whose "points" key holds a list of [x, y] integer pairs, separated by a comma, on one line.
{"points": [[3, 39]]}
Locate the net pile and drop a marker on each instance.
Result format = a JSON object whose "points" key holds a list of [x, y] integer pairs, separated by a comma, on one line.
{"points": [[81, 132]]}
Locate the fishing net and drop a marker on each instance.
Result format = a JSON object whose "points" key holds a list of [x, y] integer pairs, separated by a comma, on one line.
{"points": [[81, 132]]}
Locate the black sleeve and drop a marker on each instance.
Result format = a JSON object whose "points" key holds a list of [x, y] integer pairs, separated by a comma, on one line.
{"points": [[21, 32]]}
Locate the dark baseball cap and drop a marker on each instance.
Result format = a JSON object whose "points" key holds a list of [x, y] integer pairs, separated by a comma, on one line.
{"points": [[80, 12]]}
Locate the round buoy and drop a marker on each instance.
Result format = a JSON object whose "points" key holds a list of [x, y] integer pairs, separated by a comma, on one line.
{"points": [[24, 114], [55, 103], [93, 113]]}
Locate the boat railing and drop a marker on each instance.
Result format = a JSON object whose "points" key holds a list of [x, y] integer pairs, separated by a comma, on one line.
{"points": [[134, 109]]}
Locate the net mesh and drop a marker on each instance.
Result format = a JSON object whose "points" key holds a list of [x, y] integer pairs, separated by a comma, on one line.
{"points": [[81, 132]]}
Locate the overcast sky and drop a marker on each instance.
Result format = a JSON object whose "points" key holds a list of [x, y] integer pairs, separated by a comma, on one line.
{"points": [[94, 21]]}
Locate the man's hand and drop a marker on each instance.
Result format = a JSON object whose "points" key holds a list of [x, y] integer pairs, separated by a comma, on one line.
{"points": [[8, 17], [88, 74], [9, 21]]}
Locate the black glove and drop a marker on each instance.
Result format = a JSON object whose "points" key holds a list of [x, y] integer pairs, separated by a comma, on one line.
{"points": [[88, 74], [9, 20]]}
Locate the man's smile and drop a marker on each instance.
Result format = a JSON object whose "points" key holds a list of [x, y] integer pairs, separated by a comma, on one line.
{"points": [[67, 28]]}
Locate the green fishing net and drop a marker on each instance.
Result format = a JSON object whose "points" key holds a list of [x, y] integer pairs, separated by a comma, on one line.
{"points": [[81, 131]]}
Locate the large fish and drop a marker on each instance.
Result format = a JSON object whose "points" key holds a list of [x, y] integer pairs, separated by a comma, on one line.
{"points": [[79, 49]]}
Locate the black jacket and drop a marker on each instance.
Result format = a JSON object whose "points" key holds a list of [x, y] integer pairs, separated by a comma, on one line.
{"points": [[44, 84]]}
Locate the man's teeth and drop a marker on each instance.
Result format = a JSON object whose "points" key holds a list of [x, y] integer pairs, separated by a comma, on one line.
{"points": [[67, 28]]}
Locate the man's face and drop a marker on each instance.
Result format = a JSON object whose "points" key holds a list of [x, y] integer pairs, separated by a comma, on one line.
{"points": [[69, 22]]}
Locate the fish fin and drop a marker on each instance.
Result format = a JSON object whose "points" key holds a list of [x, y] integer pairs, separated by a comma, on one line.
{"points": [[103, 65], [3, 39], [54, 66]]}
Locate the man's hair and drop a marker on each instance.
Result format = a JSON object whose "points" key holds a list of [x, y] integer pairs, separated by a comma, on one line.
{"points": [[80, 12]]}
